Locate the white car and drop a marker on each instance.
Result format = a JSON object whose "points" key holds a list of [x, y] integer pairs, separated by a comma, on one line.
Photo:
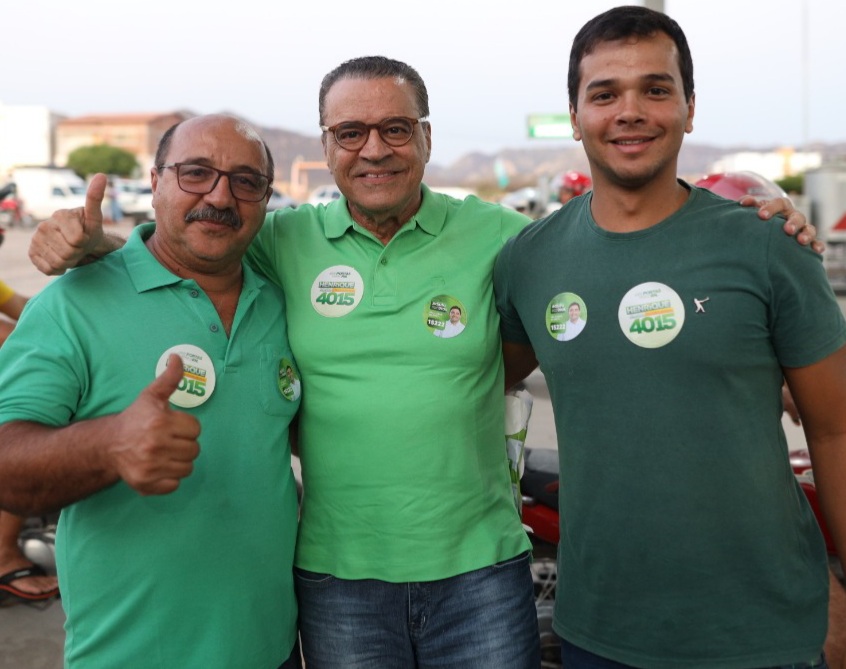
{"points": [[280, 201], [137, 204], [324, 195]]}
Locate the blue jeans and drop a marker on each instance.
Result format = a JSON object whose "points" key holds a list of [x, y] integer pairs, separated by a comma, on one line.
{"points": [[478, 620], [573, 657]]}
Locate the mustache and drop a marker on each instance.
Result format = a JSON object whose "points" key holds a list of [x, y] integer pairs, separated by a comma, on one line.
{"points": [[226, 216]]}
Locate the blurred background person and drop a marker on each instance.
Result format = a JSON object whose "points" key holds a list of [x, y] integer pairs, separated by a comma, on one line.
{"points": [[19, 577]]}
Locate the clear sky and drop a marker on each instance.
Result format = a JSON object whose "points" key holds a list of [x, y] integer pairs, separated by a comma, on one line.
{"points": [[768, 73]]}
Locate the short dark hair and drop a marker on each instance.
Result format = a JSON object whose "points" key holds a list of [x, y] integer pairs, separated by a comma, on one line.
{"points": [[167, 138], [620, 23], [375, 67]]}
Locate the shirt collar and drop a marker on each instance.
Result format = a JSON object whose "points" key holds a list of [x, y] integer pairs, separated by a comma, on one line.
{"points": [[430, 217], [147, 273]]}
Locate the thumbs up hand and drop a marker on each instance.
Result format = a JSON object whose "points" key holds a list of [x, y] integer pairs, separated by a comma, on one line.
{"points": [[70, 236], [155, 446]]}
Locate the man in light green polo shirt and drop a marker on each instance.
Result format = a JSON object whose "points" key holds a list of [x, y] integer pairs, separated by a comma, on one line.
{"points": [[174, 548], [410, 551]]}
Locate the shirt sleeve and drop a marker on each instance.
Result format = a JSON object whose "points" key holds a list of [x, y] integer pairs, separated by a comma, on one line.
{"points": [[806, 322], [6, 293], [261, 254], [40, 383], [512, 223], [511, 326]]}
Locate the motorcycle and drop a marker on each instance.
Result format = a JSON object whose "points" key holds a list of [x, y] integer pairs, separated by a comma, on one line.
{"points": [[12, 212], [37, 540], [539, 494], [539, 491]]}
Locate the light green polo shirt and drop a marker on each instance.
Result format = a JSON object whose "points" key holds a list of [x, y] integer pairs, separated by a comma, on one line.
{"points": [[402, 428], [201, 577]]}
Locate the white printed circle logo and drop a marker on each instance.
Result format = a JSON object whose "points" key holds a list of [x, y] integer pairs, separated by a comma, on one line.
{"points": [[198, 376], [336, 291], [651, 315]]}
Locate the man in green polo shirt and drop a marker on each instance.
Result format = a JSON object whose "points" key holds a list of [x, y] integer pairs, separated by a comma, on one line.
{"points": [[174, 548], [410, 550]]}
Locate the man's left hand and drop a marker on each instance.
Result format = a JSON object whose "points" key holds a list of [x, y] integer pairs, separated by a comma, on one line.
{"points": [[796, 225]]}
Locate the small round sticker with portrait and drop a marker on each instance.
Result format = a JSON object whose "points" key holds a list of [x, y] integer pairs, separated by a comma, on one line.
{"points": [[198, 375], [445, 316], [651, 314], [289, 381], [566, 316]]}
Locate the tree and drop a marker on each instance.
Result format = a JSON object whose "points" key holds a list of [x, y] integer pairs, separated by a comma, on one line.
{"points": [[792, 184], [87, 160]]}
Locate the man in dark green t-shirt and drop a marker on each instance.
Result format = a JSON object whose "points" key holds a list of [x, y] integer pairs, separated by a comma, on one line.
{"points": [[685, 539]]}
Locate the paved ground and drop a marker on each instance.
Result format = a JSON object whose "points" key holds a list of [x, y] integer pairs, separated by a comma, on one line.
{"points": [[32, 638]]}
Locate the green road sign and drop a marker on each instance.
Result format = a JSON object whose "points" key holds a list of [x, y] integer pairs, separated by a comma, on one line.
{"points": [[549, 126]]}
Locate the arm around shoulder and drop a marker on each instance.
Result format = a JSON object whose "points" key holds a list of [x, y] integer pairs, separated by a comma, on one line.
{"points": [[819, 391]]}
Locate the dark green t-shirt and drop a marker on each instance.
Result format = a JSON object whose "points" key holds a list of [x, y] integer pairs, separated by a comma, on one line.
{"points": [[685, 540]]}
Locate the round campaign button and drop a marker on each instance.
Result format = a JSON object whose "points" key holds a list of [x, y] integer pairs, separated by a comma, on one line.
{"points": [[198, 376], [566, 316], [289, 380], [445, 316], [651, 315], [337, 291]]}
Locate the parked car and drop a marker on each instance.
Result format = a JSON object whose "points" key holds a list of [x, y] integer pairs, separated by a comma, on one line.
{"points": [[280, 201], [136, 200], [324, 195], [529, 201]]}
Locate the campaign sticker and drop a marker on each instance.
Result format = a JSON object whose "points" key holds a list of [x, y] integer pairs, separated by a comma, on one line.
{"points": [[651, 315], [445, 316], [198, 376], [289, 380], [337, 291], [566, 316]]}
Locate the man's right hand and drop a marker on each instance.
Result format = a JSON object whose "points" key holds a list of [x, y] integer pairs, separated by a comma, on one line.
{"points": [[69, 236], [154, 446]]}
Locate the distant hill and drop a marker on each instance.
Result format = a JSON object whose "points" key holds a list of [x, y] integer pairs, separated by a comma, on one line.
{"points": [[525, 166]]}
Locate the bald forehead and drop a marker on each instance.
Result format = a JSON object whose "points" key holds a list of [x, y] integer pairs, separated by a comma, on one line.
{"points": [[219, 123], [215, 130]]}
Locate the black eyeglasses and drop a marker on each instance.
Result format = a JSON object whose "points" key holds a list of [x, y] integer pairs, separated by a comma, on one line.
{"points": [[202, 179], [394, 131]]}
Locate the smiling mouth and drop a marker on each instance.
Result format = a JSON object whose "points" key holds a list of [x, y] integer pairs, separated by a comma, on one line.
{"points": [[377, 175]]}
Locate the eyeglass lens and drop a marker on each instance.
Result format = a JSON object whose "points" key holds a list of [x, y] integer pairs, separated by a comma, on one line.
{"points": [[393, 131], [202, 179]]}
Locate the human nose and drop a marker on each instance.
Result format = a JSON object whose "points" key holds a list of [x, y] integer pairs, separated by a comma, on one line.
{"points": [[631, 108], [221, 193], [375, 147]]}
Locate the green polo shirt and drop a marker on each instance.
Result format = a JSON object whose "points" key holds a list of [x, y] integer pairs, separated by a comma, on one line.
{"points": [[402, 428], [200, 577]]}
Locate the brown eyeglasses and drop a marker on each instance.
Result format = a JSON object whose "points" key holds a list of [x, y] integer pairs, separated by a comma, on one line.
{"points": [[202, 179], [394, 131]]}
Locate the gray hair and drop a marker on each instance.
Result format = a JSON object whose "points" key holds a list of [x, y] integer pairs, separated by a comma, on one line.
{"points": [[375, 67]]}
